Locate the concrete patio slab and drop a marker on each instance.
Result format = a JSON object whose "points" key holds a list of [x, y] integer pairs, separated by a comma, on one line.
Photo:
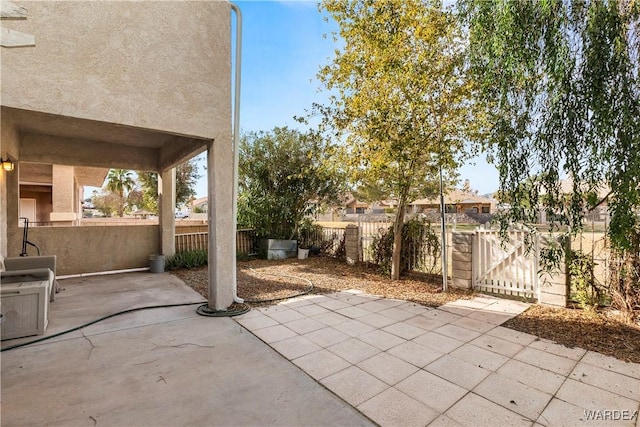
{"points": [[162, 367]]}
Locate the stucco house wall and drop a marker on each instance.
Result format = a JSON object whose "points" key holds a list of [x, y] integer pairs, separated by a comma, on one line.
{"points": [[123, 84], [155, 65]]}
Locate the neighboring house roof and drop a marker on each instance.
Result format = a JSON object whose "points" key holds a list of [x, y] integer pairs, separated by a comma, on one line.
{"points": [[566, 186], [455, 197], [198, 202]]}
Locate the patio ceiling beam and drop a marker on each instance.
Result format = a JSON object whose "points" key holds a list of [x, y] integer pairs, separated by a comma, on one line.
{"points": [[178, 150], [79, 152]]}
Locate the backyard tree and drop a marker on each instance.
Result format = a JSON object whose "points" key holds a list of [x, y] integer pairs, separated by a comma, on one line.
{"points": [[285, 175], [120, 182], [561, 81], [400, 99], [187, 174]]}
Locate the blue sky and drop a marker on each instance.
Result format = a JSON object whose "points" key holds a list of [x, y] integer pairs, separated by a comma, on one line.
{"points": [[283, 48]]}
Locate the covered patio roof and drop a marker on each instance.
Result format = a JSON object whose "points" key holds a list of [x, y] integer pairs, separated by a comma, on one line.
{"points": [[76, 141]]}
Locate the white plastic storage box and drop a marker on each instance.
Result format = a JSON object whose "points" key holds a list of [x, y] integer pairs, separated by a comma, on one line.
{"points": [[25, 308]]}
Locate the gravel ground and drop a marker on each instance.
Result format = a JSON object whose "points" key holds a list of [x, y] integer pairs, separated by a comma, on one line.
{"points": [[268, 280]]}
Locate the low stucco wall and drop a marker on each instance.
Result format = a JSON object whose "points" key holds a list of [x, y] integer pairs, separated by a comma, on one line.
{"points": [[93, 249]]}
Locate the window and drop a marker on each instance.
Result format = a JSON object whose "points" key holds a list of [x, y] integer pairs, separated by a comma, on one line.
{"points": [[486, 209]]}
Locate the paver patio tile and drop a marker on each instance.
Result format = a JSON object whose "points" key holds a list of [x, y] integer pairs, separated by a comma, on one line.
{"points": [[272, 334], [381, 339], [438, 342], [456, 310], [397, 313], [594, 398], [330, 318], [414, 308], [353, 299], [321, 364], [250, 314], [404, 330], [373, 306], [424, 322], [473, 410], [511, 394], [257, 321], [561, 413], [512, 335], [456, 332], [474, 324], [612, 364], [497, 345], [353, 312], [387, 368], [558, 349], [464, 374], [273, 309], [376, 320], [393, 408], [490, 317], [353, 327], [607, 380], [312, 310], [444, 421], [416, 354], [285, 316], [558, 364], [326, 337], [479, 357], [315, 298], [305, 325], [334, 304], [431, 390], [442, 315], [353, 350], [296, 303], [354, 385], [533, 376], [295, 347], [390, 302]]}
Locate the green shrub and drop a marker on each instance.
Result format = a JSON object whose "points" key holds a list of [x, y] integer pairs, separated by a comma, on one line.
{"points": [[584, 286], [420, 248], [188, 259]]}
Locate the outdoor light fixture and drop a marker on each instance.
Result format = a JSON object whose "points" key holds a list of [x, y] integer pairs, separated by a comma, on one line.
{"points": [[7, 164]]}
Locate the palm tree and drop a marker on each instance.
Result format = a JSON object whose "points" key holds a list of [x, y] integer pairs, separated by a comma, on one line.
{"points": [[120, 182]]}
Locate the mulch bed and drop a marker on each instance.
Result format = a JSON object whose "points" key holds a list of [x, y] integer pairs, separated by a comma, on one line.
{"points": [[603, 332]]}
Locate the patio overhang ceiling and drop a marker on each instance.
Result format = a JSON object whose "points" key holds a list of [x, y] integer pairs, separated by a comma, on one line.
{"points": [[55, 139]]}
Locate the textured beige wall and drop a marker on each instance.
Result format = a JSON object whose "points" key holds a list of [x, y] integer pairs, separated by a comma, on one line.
{"points": [[9, 192], [161, 65], [92, 249]]}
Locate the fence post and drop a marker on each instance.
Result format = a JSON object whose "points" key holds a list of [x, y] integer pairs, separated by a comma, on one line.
{"points": [[554, 288], [462, 259], [352, 243]]}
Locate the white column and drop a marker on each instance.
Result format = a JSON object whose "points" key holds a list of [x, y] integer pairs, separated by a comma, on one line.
{"points": [[221, 233], [166, 207]]}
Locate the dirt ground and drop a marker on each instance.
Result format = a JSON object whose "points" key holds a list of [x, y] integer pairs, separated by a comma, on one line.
{"points": [[603, 332]]}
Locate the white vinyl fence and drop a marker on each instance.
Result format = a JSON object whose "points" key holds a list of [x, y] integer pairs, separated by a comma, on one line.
{"points": [[509, 268]]}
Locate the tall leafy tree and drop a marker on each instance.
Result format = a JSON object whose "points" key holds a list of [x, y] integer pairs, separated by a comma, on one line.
{"points": [[400, 98], [285, 175], [187, 174], [561, 81], [120, 182]]}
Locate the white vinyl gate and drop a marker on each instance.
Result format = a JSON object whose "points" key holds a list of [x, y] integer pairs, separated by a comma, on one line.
{"points": [[506, 268]]}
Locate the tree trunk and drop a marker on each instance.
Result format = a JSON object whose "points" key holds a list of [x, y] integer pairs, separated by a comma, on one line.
{"points": [[397, 241]]}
